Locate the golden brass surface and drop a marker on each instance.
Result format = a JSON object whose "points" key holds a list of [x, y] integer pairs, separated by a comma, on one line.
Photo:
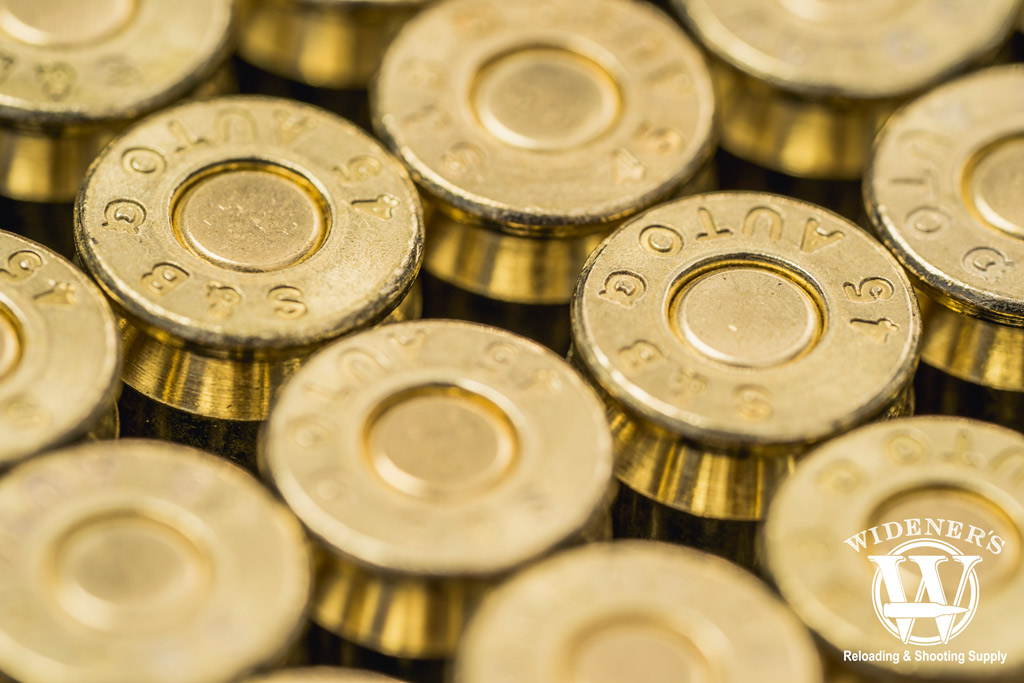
{"points": [[165, 370], [76, 72], [945, 480], [696, 480], [144, 562], [638, 611], [60, 359], [478, 452], [321, 674], [325, 43], [479, 258], [729, 332], [943, 196], [805, 84], [536, 128], [221, 387], [235, 236], [972, 349]]}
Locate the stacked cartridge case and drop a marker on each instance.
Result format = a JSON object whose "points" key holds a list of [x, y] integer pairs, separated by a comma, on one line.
{"points": [[934, 502], [535, 128], [942, 193], [805, 85], [234, 236], [478, 452], [612, 612], [712, 326], [145, 561]]}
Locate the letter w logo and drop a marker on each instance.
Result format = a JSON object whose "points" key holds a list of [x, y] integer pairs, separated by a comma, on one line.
{"points": [[930, 601]]}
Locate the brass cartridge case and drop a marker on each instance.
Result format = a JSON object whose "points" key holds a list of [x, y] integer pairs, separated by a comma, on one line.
{"points": [[323, 43], [477, 451], [74, 73], [942, 192], [804, 85], [899, 546], [60, 356], [730, 332], [635, 611], [144, 562], [234, 237], [535, 127]]}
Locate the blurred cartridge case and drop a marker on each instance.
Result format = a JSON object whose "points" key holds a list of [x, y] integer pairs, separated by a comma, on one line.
{"points": [[942, 499], [804, 85], [534, 127], [943, 194], [322, 674], [323, 43], [635, 611], [60, 356], [477, 451], [729, 332], [73, 73], [234, 237], [143, 562]]}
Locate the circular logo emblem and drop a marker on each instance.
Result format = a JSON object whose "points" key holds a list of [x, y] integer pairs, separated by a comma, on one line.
{"points": [[925, 592]]}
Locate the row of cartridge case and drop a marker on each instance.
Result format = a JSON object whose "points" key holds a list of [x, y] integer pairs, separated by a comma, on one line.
{"points": [[730, 370]]}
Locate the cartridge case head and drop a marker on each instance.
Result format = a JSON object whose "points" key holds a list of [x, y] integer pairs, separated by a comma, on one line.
{"points": [[60, 355], [143, 561], [250, 222], [941, 192], [545, 118], [904, 537], [635, 610], [719, 317]]}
